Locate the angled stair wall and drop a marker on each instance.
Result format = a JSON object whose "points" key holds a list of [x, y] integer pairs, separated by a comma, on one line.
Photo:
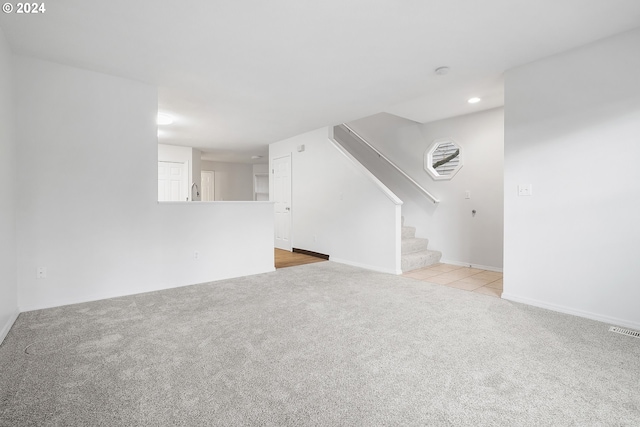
{"points": [[414, 250]]}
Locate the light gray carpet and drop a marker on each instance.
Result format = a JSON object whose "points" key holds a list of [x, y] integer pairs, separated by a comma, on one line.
{"points": [[322, 345]]}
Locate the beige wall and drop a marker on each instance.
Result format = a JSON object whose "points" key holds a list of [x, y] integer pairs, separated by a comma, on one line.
{"points": [[233, 181]]}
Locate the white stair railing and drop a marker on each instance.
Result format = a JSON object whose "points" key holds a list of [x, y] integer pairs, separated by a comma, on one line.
{"points": [[362, 168], [382, 156]]}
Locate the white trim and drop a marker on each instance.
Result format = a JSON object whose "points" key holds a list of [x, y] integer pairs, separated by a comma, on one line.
{"points": [[363, 169], [7, 327], [365, 266], [283, 246], [468, 264], [573, 311]]}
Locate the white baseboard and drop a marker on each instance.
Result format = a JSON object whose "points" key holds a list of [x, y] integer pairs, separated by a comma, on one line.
{"points": [[61, 302], [101, 296], [573, 311], [368, 267], [7, 326], [466, 264]]}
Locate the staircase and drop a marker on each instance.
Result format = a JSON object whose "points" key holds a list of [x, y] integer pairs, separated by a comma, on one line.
{"points": [[414, 250]]}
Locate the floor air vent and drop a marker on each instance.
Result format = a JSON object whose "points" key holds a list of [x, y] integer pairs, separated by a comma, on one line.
{"points": [[624, 331]]}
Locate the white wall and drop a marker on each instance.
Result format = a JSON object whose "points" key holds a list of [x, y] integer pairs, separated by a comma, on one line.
{"points": [[336, 210], [233, 181], [449, 225], [8, 281], [175, 153], [87, 205], [573, 132], [260, 168]]}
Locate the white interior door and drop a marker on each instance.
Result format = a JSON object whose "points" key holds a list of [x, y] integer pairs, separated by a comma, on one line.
{"points": [[208, 186], [172, 182], [282, 198]]}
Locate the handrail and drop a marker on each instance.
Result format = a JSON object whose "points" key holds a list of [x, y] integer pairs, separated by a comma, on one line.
{"points": [[413, 181], [366, 172]]}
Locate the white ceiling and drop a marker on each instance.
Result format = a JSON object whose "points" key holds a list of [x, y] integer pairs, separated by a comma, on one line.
{"points": [[238, 75]]}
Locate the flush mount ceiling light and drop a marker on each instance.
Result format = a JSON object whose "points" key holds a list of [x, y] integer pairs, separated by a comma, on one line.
{"points": [[473, 100], [256, 157], [441, 71], [164, 119]]}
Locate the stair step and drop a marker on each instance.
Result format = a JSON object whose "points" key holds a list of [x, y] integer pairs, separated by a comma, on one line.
{"points": [[408, 232], [420, 259], [415, 244]]}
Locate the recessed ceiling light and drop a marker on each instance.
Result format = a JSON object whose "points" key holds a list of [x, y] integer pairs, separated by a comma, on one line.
{"points": [[164, 119], [441, 71], [256, 157], [473, 100]]}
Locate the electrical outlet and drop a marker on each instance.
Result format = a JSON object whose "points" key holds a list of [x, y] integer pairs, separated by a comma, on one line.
{"points": [[525, 190], [41, 273], [196, 255]]}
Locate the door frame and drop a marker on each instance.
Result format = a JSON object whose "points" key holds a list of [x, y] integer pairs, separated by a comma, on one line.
{"points": [[272, 193], [213, 182]]}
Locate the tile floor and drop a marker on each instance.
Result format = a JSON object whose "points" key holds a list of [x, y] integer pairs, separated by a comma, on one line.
{"points": [[469, 279]]}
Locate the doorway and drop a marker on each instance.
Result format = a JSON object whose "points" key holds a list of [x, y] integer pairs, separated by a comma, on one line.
{"points": [[208, 186]]}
